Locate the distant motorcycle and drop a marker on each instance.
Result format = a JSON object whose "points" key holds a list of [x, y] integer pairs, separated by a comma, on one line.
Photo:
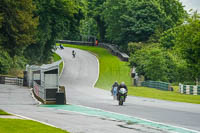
{"points": [[61, 47], [122, 96], [73, 53], [114, 93]]}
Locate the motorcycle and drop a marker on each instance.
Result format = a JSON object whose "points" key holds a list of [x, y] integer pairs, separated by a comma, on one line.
{"points": [[61, 47], [114, 93], [73, 54], [122, 96]]}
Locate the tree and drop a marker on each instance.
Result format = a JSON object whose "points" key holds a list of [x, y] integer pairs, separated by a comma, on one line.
{"points": [[17, 25], [175, 13], [187, 42], [5, 62], [57, 19], [138, 20], [96, 8], [141, 21], [168, 37], [151, 63], [88, 28]]}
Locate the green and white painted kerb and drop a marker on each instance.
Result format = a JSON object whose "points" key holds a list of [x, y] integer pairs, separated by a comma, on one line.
{"points": [[120, 117], [189, 89]]}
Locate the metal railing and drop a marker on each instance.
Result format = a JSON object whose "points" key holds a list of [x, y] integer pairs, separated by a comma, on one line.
{"points": [[156, 84], [11, 80]]}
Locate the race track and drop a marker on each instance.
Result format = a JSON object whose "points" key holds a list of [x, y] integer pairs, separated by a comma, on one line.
{"points": [[80, 75], [93, 110]]}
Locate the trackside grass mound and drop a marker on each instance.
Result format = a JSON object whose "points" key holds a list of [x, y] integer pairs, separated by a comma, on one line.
{"points": [[112, 69], [26, 126]]}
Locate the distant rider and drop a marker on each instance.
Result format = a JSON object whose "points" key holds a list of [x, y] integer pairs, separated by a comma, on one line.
{"points": [[73, 53], [122, 85], [61, 46], [114, 88]]}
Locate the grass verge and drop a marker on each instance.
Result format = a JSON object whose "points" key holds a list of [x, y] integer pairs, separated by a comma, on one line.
{"points": [[163, 95], [112, 69], [56, 57], [26, 126], [3, 112]]}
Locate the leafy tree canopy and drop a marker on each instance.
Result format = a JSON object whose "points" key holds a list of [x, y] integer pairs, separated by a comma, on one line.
{"points": [[136, 20], [17, 25], [57, 19], [187, 42]]}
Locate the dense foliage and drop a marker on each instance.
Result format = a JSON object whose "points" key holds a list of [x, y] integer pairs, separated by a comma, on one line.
{"points": [[57, 19], [123, 21], [17, 25], [17, 30], [175, 59], [29, 29], [188, 44]]}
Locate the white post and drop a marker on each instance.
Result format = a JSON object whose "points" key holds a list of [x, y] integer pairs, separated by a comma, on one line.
{"points": [[187, 89], [195, 90], [180, 88]]}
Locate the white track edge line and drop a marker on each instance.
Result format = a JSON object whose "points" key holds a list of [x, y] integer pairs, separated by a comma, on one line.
{"points": [[28, 118]]}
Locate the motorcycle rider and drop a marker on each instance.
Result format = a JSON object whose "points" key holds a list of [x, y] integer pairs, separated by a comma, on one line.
{"points": [[122, 85], [113, 87], [61, 46], [73, 53]]}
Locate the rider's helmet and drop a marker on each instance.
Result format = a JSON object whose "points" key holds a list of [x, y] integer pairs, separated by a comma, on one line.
{"points": [[122, 84]]}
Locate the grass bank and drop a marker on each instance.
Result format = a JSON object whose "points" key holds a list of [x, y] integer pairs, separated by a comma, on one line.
{"points": [[56, 57], [112, 69], [163, 95], [26, 126]]}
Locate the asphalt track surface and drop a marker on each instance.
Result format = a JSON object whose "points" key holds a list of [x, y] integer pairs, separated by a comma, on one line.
{"points": [[81, 72], [79, 77]]}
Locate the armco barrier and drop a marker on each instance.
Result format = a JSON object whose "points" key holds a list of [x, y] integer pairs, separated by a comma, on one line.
{"points": [[110, 47], [156, 84], [189, 89], [76, 42]]}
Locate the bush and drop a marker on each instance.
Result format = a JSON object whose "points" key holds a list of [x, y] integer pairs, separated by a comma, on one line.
{"points": [[134, 46], [5, 62], [154, 63]]}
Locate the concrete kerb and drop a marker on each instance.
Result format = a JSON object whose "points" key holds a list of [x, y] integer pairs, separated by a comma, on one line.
{"points": [[33, 96]]}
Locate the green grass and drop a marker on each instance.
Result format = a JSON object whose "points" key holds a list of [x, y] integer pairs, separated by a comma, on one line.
{"points": [[112, 69], [163, 95], [56, 57], [3, 112], [26, 126]]}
